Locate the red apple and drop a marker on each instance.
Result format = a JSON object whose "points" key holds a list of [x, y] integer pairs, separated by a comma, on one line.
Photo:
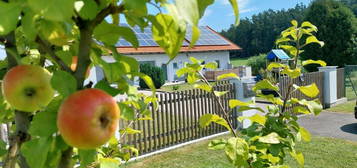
{"points": [[88, 118], [27, 88]]}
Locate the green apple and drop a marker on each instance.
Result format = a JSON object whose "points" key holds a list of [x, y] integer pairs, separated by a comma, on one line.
{"points": [[27, 88], [88, 118]]}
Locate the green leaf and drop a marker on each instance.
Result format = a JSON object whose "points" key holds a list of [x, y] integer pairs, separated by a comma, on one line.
{"points": [[272, 138], [271, 158], [55, 10], [294, 23], [282, 40], [195, 36], [272, 99], [245, 108], [273, 65], [234, 4], [195, 61], [3, 149], [87, 9], [137, 7], [109, 163], [86, 157], [237, 151], [168, 34], [188, 10], [132, 149], [258, 119], [309, 90], [291, 73], [207, 119], [126, 112], [46, 119], [226, 76], [202, 5], [28, 25], [64, 83], [309, 25], [313, 106], [219, 94], [265, 84], [305, 134], [291, 49], [211, 65], [147, 79], [204, 87], [104, 85], [313, 39], [320, 62], [299, 157], [110, 34], [9, 15], [234, 103], [183, 71], [280, 166], [130, 131], [302, 110], [217, 144], [192, 78], [57, 33], [35, 151]]}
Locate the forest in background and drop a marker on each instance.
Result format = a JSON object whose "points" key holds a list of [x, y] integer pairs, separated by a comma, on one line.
{"points": [[257, 34]]}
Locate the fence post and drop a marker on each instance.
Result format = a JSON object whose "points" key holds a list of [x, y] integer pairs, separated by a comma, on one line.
{"points": [[243, 87], [330, 85]]}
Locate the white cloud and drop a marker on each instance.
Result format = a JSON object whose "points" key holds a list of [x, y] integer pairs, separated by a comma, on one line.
{"points": [[243, 5]]}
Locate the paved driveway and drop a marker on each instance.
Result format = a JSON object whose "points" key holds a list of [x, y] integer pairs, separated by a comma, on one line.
{"points": [[331, 124]]}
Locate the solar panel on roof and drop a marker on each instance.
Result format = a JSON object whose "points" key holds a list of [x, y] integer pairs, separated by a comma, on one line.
{"points": [[207, 37]]}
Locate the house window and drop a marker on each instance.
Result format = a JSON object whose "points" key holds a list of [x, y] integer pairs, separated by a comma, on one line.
{"points": [[147, 62], [175, 65], [218, 65]]}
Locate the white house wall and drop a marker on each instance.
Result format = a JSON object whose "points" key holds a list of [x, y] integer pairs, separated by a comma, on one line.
{"points": [[160, 59]]}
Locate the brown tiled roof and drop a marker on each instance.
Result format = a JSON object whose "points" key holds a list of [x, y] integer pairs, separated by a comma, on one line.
{"points": [[198, 48]]}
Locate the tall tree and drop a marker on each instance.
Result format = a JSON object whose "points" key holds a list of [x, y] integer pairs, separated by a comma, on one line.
{"points": [[337, 28], [257, 34]]}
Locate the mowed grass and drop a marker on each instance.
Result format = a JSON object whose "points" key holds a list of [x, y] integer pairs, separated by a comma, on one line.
{"points": [[321, 152], [347, 107], [239, 61]]}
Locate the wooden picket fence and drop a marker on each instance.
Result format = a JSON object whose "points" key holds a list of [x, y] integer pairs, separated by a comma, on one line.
{"points": [[305, 79], [176, 120]]}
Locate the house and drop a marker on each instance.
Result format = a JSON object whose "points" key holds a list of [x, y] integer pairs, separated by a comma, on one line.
{"points": [[210, 47]]}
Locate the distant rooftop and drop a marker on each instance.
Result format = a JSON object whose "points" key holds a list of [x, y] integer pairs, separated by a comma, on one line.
{"points": [[209, 41]]}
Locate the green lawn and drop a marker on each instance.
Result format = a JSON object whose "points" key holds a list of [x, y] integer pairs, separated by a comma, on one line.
{"points": [[239, 61], [347, 107], [319, 153]]}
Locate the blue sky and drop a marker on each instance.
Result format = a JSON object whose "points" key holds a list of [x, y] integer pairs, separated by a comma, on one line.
{"points": [[220, 15]]}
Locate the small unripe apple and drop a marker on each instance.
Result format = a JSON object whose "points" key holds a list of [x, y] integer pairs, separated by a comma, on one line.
{"points": [[27, 88], [88, 118]]}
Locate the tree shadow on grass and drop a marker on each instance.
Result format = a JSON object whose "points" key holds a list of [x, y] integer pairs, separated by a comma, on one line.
{"points": [[350, 128]]}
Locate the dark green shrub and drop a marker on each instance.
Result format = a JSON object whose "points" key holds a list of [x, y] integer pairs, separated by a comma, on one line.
{"points": [[156, 74], [257, 63]]}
